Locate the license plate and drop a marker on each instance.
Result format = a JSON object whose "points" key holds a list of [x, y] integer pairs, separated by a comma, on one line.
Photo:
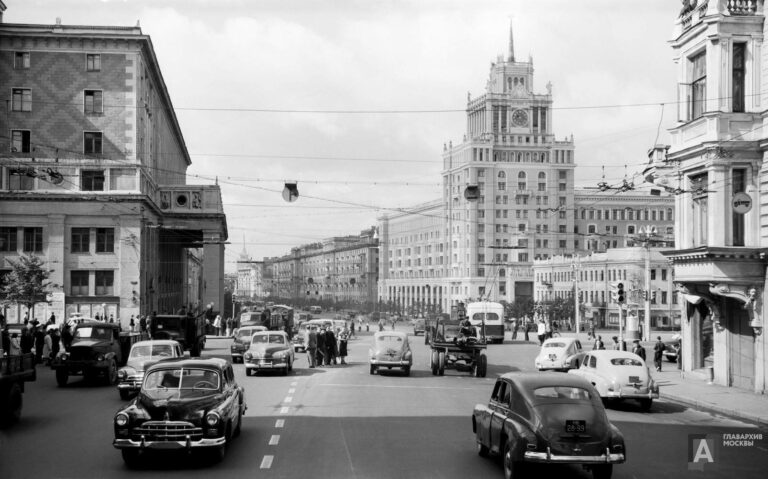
{"points": [[575, 426], [634, 379], [552, 357]]}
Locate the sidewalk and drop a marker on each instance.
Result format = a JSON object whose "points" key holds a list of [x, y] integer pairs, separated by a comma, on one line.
{"points": [[691, 388]]}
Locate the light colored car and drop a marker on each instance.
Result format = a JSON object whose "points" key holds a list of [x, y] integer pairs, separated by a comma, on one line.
{"points": [[618, 375], [391, 349], [559, 354], [242, 341], [144, 354], [269, 350]]}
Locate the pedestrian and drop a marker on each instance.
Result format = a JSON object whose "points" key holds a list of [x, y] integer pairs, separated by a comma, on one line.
{"points": [[217, 325], [142, 324], [352, 329], [658, 353], [26, 341], [55, 343], [311, 346], [638, 349], [343, 338], [6, 339], [515, 325], [541, 332], [330, 347], [52, 319], [112, 318], [616, 345], [598, 343], [320, 357], [132, 324], [14, 348], [591, 329], [39, 335], [228, 323], [548, 329], [66, 337], [381, 325], [527, 327], [47, 347], [680, 355]]}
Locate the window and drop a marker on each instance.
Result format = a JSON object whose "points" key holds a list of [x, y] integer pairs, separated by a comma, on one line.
{"points": [[631, 229], [105, 283], [8, 239], [78, 283], [21, 60], [80, 240], [20, 141], [521, 182], [699, 206], [92, 180], [33, 240], [122, 179], [698, 91], [22, 99], [663, 274], [92, 143], [92, 62], [93, 102], [737, 88], [562, 174], [481, 272], [653, 274], [21, 179], [738, 182]]}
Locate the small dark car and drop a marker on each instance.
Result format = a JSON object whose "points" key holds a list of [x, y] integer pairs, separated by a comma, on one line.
{"points": [[184, 404], [547, 419], [419, 327]]}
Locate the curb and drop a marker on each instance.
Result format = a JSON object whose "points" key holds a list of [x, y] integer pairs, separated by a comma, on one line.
{"points": [[713, 408]]}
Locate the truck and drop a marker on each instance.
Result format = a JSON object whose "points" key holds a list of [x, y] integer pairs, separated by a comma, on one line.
{"points": [[98, 349], [187, 329], [14, 372], [454, 348]]}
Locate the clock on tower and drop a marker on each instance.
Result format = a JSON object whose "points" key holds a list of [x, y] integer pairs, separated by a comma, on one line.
{"points": [[520, 118]]}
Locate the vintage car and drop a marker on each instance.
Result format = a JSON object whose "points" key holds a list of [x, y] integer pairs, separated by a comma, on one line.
{"points": [[547, 419], [269, 350], [391, 349], [671, 348], [184, 404], [144, 354], [242, 341], [419, 327], [559, 354], [618, 375]]}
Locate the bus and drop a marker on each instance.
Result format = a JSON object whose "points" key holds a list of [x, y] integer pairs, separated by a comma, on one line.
{"points": [[493, 314], [316, 310]]}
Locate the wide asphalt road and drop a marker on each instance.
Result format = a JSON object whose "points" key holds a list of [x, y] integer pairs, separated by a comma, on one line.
{"points": [[341, 422]]}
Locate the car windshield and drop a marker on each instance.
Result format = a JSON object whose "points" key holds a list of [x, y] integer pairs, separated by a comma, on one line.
{"points": [[93, 333], [182, 378], [243, 333], [149, 351], [626, 362], [389, 339], [267, 338], [561, 392], [488, 317], [167, 323], [554, 345]]}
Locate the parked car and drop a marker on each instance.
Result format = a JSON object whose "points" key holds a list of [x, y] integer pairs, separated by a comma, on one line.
{"points": [[671, 348], [14, 372], [242, 341], [619, 375], [269, 350], [547, 419], [559, 354], [419, 326], [144, 354], [390, 349], [184, 404]]}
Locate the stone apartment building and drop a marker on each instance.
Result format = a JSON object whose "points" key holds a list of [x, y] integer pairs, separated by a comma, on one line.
{"points": [[92, 176]]}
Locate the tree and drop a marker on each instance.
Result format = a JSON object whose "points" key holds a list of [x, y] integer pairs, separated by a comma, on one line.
{"points": [[27, 283], [520, 308]]}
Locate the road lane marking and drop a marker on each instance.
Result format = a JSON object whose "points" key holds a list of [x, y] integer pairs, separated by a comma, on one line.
{"points": [[288, 399], [294, 384], [280, 423], [292, 390], [266, 462], [274, 440], [284, 410], [391, 387]]}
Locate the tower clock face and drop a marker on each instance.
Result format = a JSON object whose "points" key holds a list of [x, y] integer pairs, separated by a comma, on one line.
{"points": [[519, 118]]}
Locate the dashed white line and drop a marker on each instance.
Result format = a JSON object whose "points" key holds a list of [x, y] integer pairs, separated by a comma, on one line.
{"points": [[292, 390], [280, 423], [266, 462], [274, 440], [288, 399], [294, 384], [284, 410]]}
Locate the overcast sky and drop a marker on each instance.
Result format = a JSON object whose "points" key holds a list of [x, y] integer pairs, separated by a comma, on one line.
{"points": [[367, 93]]}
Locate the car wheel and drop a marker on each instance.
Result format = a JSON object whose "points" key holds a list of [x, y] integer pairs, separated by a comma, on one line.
{"points": [[247, 371], [645, 404], [602, 471], [511, 467], [10, 405], [62, 376], [441, 363], [124, 394], [482, 450], [482, 366], [433, 363], [373, 369], [407, 370], [111, 373], [130, 458]]}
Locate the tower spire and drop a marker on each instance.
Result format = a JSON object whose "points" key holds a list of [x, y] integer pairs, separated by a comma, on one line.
{"points": [[511, 57]]}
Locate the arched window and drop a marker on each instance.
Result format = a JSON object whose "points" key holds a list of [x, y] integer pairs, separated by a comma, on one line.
{"points": [[521, 182], [542, 175], [502, 174], [542, 181], [502, 272], [669, 214]]}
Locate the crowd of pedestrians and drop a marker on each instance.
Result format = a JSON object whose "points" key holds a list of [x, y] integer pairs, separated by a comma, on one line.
{"points": [[325, 347]]}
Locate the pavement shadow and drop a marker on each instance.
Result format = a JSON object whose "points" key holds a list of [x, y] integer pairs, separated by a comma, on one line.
{"points": [[632, 405]]}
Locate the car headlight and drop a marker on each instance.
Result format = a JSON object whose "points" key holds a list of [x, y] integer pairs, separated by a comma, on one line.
{"points": [[248, 355], [279, 354], [100, 357], [212, 419], [122, 374], [121, 420]]}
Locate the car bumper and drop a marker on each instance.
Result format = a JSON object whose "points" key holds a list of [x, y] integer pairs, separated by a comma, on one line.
{"points": [[552, 366], [266, 364], [633, 394], [158, 445], [390, 363], [549, 458], [74, 366], [130, 385]]}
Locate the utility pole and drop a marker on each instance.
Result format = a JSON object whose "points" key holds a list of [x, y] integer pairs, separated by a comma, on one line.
{"points": [[575, 268], [647, 324]]}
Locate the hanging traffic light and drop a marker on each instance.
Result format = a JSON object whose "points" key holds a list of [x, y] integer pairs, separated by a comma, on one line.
{"points": [[620, 293]]}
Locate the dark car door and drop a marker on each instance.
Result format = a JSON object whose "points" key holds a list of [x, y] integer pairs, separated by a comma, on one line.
{"points": [[500, 411]]}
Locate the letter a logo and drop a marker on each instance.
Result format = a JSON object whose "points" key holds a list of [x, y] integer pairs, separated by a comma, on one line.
{"points": [[700, 452], [703, 452]]}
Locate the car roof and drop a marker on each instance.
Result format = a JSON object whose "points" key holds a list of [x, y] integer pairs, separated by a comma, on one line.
{"points": [[100, 324], [254, 327], [530, 380], [612, 353], [155, 342], [213, 363], [390, 333], [270, 333], [560, 340]]}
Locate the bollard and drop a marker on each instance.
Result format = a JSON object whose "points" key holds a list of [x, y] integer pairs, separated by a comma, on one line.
{"points": [[711, 371]]}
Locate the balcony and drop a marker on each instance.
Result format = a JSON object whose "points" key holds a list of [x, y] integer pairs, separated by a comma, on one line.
{"points": [[694, 12], [190, 199]]}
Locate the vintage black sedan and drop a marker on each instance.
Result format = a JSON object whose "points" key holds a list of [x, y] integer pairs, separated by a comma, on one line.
{"points": [[547, 419], [184, 404]]}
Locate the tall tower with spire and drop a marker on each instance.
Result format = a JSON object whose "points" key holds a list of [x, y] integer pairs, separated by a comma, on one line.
{"points": [[511, 56]]}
